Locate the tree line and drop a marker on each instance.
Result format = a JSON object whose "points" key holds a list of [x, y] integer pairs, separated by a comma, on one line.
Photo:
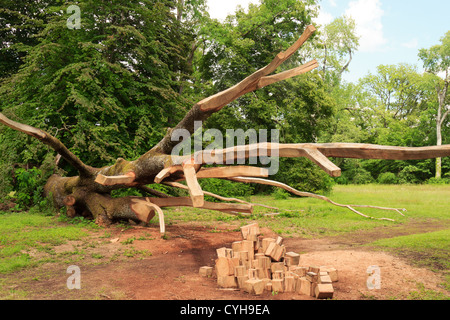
{"points": [[112, 88]]}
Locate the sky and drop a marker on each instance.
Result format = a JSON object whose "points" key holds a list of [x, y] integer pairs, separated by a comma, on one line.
{"points": [[391, 31]]}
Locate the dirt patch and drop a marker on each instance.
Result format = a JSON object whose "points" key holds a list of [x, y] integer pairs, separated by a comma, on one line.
{"points": [[137, 263]]}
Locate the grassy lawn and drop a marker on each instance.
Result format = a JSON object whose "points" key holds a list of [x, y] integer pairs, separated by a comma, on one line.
{"points": [[23, 233], [312, 218]]}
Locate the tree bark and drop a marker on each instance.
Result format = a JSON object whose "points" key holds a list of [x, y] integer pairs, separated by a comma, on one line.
{"points": [[442, 93]]}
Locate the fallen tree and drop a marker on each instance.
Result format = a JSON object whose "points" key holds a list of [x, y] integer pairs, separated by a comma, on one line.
{"points": [[89, 193]]}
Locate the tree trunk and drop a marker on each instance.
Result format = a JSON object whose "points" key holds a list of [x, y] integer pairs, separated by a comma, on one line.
{"points": [[439, 143], [442, 93]]}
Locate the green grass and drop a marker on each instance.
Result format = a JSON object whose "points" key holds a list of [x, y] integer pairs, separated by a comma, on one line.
{"points": [[429, 249], [22, 235], [22, 232], [314, 218]]}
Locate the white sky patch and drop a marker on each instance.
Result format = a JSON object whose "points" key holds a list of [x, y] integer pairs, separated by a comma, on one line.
{"points": [[333, 3], [367, 15], [220, 9], [414, 43], [323, 18]]}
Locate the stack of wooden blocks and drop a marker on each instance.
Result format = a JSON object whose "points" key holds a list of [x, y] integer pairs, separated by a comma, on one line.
{"points": [[257, 264]]}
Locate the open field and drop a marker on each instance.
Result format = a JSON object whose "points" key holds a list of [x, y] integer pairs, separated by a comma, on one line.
{"points": [[126, 261]]}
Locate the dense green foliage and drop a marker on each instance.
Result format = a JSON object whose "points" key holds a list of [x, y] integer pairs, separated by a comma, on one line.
{"points": [[112, 88]]}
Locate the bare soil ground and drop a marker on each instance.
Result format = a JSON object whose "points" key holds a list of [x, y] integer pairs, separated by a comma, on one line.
{"points": [[114, 270]]}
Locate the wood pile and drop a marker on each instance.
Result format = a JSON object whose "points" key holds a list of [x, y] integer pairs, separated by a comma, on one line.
{"points": [[257, 264]]}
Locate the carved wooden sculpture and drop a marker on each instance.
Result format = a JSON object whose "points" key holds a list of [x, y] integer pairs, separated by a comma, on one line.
{"points": [[88, 194]]}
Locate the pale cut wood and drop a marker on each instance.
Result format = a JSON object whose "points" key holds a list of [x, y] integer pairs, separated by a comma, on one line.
{"points": [[254, 286], [187, 202], [262, 273], [279, 274], [279, 252], [241, 281], [145, 211], [236, 246], [314, 269], [268, 80], [252, 273], [268, 286], [251, 229], [69, 200], [324, 291], [323, 162], [125, 179], [312, 276], [224, 267], [292, 259], [227, 281], [142, 210], [277, 285], [240, 271], [324, 279], [248, 245], [195, 190], [264, 262], [277, 266], [333, 273], [166, 172], [301, 271], [279, 240], [206, 271], [182, 186], [221, 252], [305, 286], [289, 284], [242, 255], [265, 243], [219, 100], [318, 152], [275, 251], [236, 171]]}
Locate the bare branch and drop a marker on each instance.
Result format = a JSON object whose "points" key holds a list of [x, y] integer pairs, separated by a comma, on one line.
{"points": [[318, 152], [203, 109], [182, 186], [311, 195], [125, 179], [51, 141], [195, 190]]}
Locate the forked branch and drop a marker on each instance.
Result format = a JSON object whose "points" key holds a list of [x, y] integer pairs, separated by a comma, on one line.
{"points": [[203, 109], [54, 143]]}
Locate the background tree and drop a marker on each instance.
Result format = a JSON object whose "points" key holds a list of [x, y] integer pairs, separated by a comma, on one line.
{"points": [[299, 107], [338, 43], [390, 107], [116, 80], [436, 60]]}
